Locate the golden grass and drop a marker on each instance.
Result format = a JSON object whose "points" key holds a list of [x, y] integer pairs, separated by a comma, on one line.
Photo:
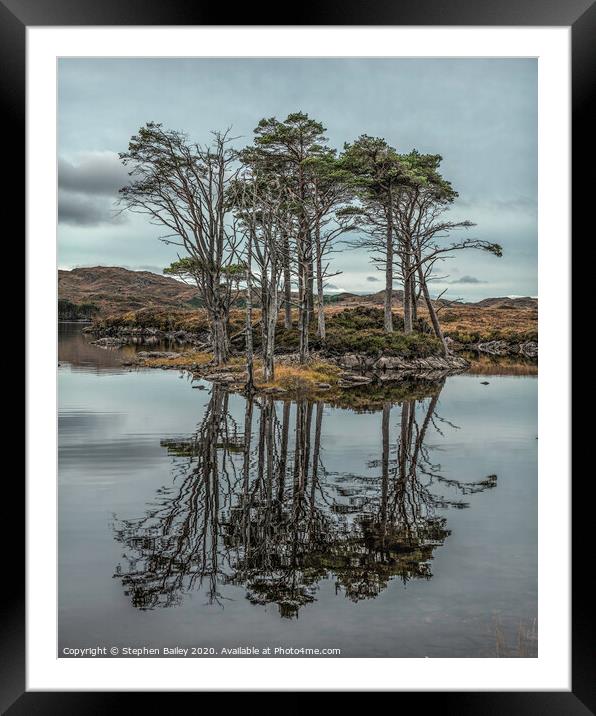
{"points": [[487, 321], [293, 378], [300, 378], [470, 323], [193, 320], [187, 359]]}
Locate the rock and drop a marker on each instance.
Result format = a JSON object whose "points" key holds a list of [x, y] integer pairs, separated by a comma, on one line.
{"points": [[354, 361], [323, 386], [350, 360], [390, 363], [484, 382]]}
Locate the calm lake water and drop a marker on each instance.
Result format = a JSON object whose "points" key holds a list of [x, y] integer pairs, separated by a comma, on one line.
{"points": [[189, 517]]}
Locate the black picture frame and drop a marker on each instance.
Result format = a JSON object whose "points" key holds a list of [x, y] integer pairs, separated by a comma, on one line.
{"points": [[580, 15]]}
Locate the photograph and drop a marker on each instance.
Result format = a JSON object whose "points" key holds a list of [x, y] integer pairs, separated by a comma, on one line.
{"points": [[297, 357]]}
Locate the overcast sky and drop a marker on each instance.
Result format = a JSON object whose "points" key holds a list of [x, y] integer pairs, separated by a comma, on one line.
{"points": [[480, 115]]}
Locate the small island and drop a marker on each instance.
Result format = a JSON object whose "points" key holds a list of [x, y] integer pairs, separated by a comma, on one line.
{"points": [[357, 356]]}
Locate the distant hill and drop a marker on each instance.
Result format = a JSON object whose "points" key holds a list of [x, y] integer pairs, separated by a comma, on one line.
{"points": [[502, 302], [378, 299], [112, 289], [507, 302]]}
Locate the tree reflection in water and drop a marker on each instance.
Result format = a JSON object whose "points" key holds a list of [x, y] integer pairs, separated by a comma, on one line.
{"points": [[254, 506]]}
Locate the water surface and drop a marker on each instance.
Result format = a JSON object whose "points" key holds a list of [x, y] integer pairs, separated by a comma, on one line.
{"points": [[189, 517]]}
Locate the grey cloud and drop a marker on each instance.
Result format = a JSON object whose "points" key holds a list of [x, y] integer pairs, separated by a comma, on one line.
{"points": [[468, 280], [88, 188], [372, 278], [97, 173], [83, 210]]}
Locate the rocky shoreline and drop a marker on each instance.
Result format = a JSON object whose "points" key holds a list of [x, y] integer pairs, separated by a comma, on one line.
{"points": [[117, 336], [346, 371], [349, 371]]}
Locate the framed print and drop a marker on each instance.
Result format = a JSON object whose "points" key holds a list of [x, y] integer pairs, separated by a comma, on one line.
{"points": [[289, 420]]}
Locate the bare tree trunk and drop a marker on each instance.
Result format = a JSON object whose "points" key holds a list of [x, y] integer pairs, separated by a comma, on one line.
{"points": [[300, 286], [263, 311], [407, 289], [218, 314], [388, 317], [287, 282], [407, 306], [414, 299], [303, 308], [268, 361], [219, 330], [303, 325], [320, 296], [309, 275], [303, 259], [432, 312], [269, 346], [287, 302], [311, 294]]}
